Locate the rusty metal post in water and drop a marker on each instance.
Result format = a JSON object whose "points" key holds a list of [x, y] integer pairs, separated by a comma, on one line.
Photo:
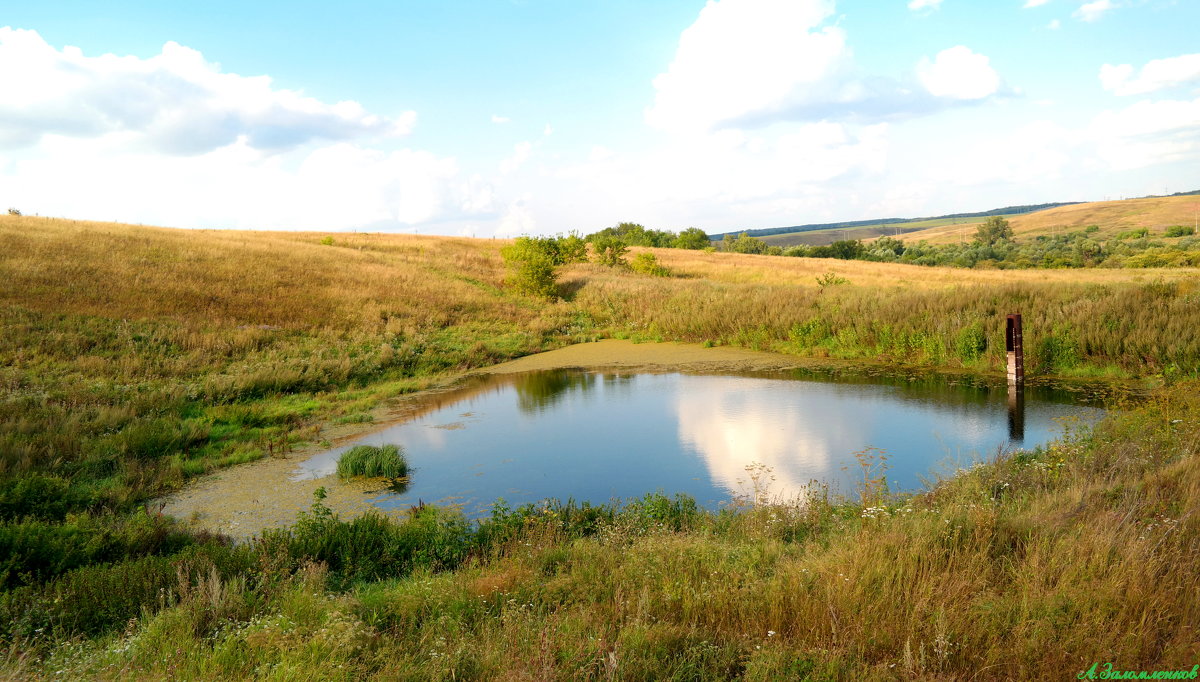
{"points": [[1016, 353], [1016, 378]]}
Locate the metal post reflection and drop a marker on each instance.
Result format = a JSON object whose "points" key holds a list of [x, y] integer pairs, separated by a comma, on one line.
{"points": [[1016, 413]]}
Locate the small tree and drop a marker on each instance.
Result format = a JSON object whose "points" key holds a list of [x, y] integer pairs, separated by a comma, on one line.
{"points": [[744, 243], [847, 249], [610, 251], [692, 238], [993, 230], [531, 262], [572, 249]]}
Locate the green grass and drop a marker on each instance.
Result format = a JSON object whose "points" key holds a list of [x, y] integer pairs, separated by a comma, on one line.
{"points": [[370, 461]]}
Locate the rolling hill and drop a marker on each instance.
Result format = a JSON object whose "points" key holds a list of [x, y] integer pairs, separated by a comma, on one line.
{"points": [[1155, 214]]}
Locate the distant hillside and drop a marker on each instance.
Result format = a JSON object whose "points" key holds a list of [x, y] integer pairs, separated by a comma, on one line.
{"points": [[888, 224], [872, 231], [1154, 214]]}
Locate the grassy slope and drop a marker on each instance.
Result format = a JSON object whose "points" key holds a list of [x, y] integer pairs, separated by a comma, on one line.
{"points": [[1112, 217], [134, 357]]}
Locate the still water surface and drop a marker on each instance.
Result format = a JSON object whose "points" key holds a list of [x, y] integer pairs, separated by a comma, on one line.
{"points": [[598, 436]]}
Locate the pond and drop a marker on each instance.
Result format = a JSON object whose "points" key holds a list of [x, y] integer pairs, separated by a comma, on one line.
{"points": [[598, 436]]}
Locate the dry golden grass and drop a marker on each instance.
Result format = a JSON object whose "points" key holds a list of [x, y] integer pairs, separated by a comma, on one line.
{"points": [[291, 280], [1155, 214], [285, 279]]}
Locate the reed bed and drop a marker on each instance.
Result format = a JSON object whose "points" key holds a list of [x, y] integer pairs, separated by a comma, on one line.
{"points": [[385, 461]]}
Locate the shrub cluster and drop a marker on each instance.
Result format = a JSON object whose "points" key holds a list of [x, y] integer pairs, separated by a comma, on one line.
{"points": [[647, 264], [532, 262]]}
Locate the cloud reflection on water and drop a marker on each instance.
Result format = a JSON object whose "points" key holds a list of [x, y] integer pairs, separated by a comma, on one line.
{"points": [[734, 423]]}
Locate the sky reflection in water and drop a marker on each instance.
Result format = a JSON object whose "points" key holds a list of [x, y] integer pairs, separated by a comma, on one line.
{"points": [[600, 436]]}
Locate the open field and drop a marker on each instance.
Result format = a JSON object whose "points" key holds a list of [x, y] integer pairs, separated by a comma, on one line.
{"points": [[133, 359], [1112, 217]]}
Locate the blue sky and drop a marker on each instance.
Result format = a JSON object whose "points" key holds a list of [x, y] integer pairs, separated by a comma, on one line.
{"points": [[502, 118]]}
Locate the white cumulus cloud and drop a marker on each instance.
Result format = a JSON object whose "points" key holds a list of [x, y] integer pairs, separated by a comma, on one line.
{"points": [[1148, 133], [1092, 11], [749, 58], [339, 186], [1034, 3], [175, 102], [173, 140], [924, 4], [958, 73], [1157, 74]]}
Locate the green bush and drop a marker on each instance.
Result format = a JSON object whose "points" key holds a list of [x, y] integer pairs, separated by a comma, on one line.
{"points": [[647, 264], [971, 342], [692, 238], [1180, 231], [610, 251], [40, 496], [572, 249], [847, 249], [744, 243], [372, 547], [101, 598], [370, 461], [34, 551], [993, 230], [1056, 351], [531, 262], [1133, 234]]}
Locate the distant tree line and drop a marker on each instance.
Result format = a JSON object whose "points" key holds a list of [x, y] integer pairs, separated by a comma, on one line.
{"points": [[633, 234]]}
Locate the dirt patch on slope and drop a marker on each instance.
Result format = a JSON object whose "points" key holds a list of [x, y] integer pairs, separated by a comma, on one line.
{"points": [[627, 355]]}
